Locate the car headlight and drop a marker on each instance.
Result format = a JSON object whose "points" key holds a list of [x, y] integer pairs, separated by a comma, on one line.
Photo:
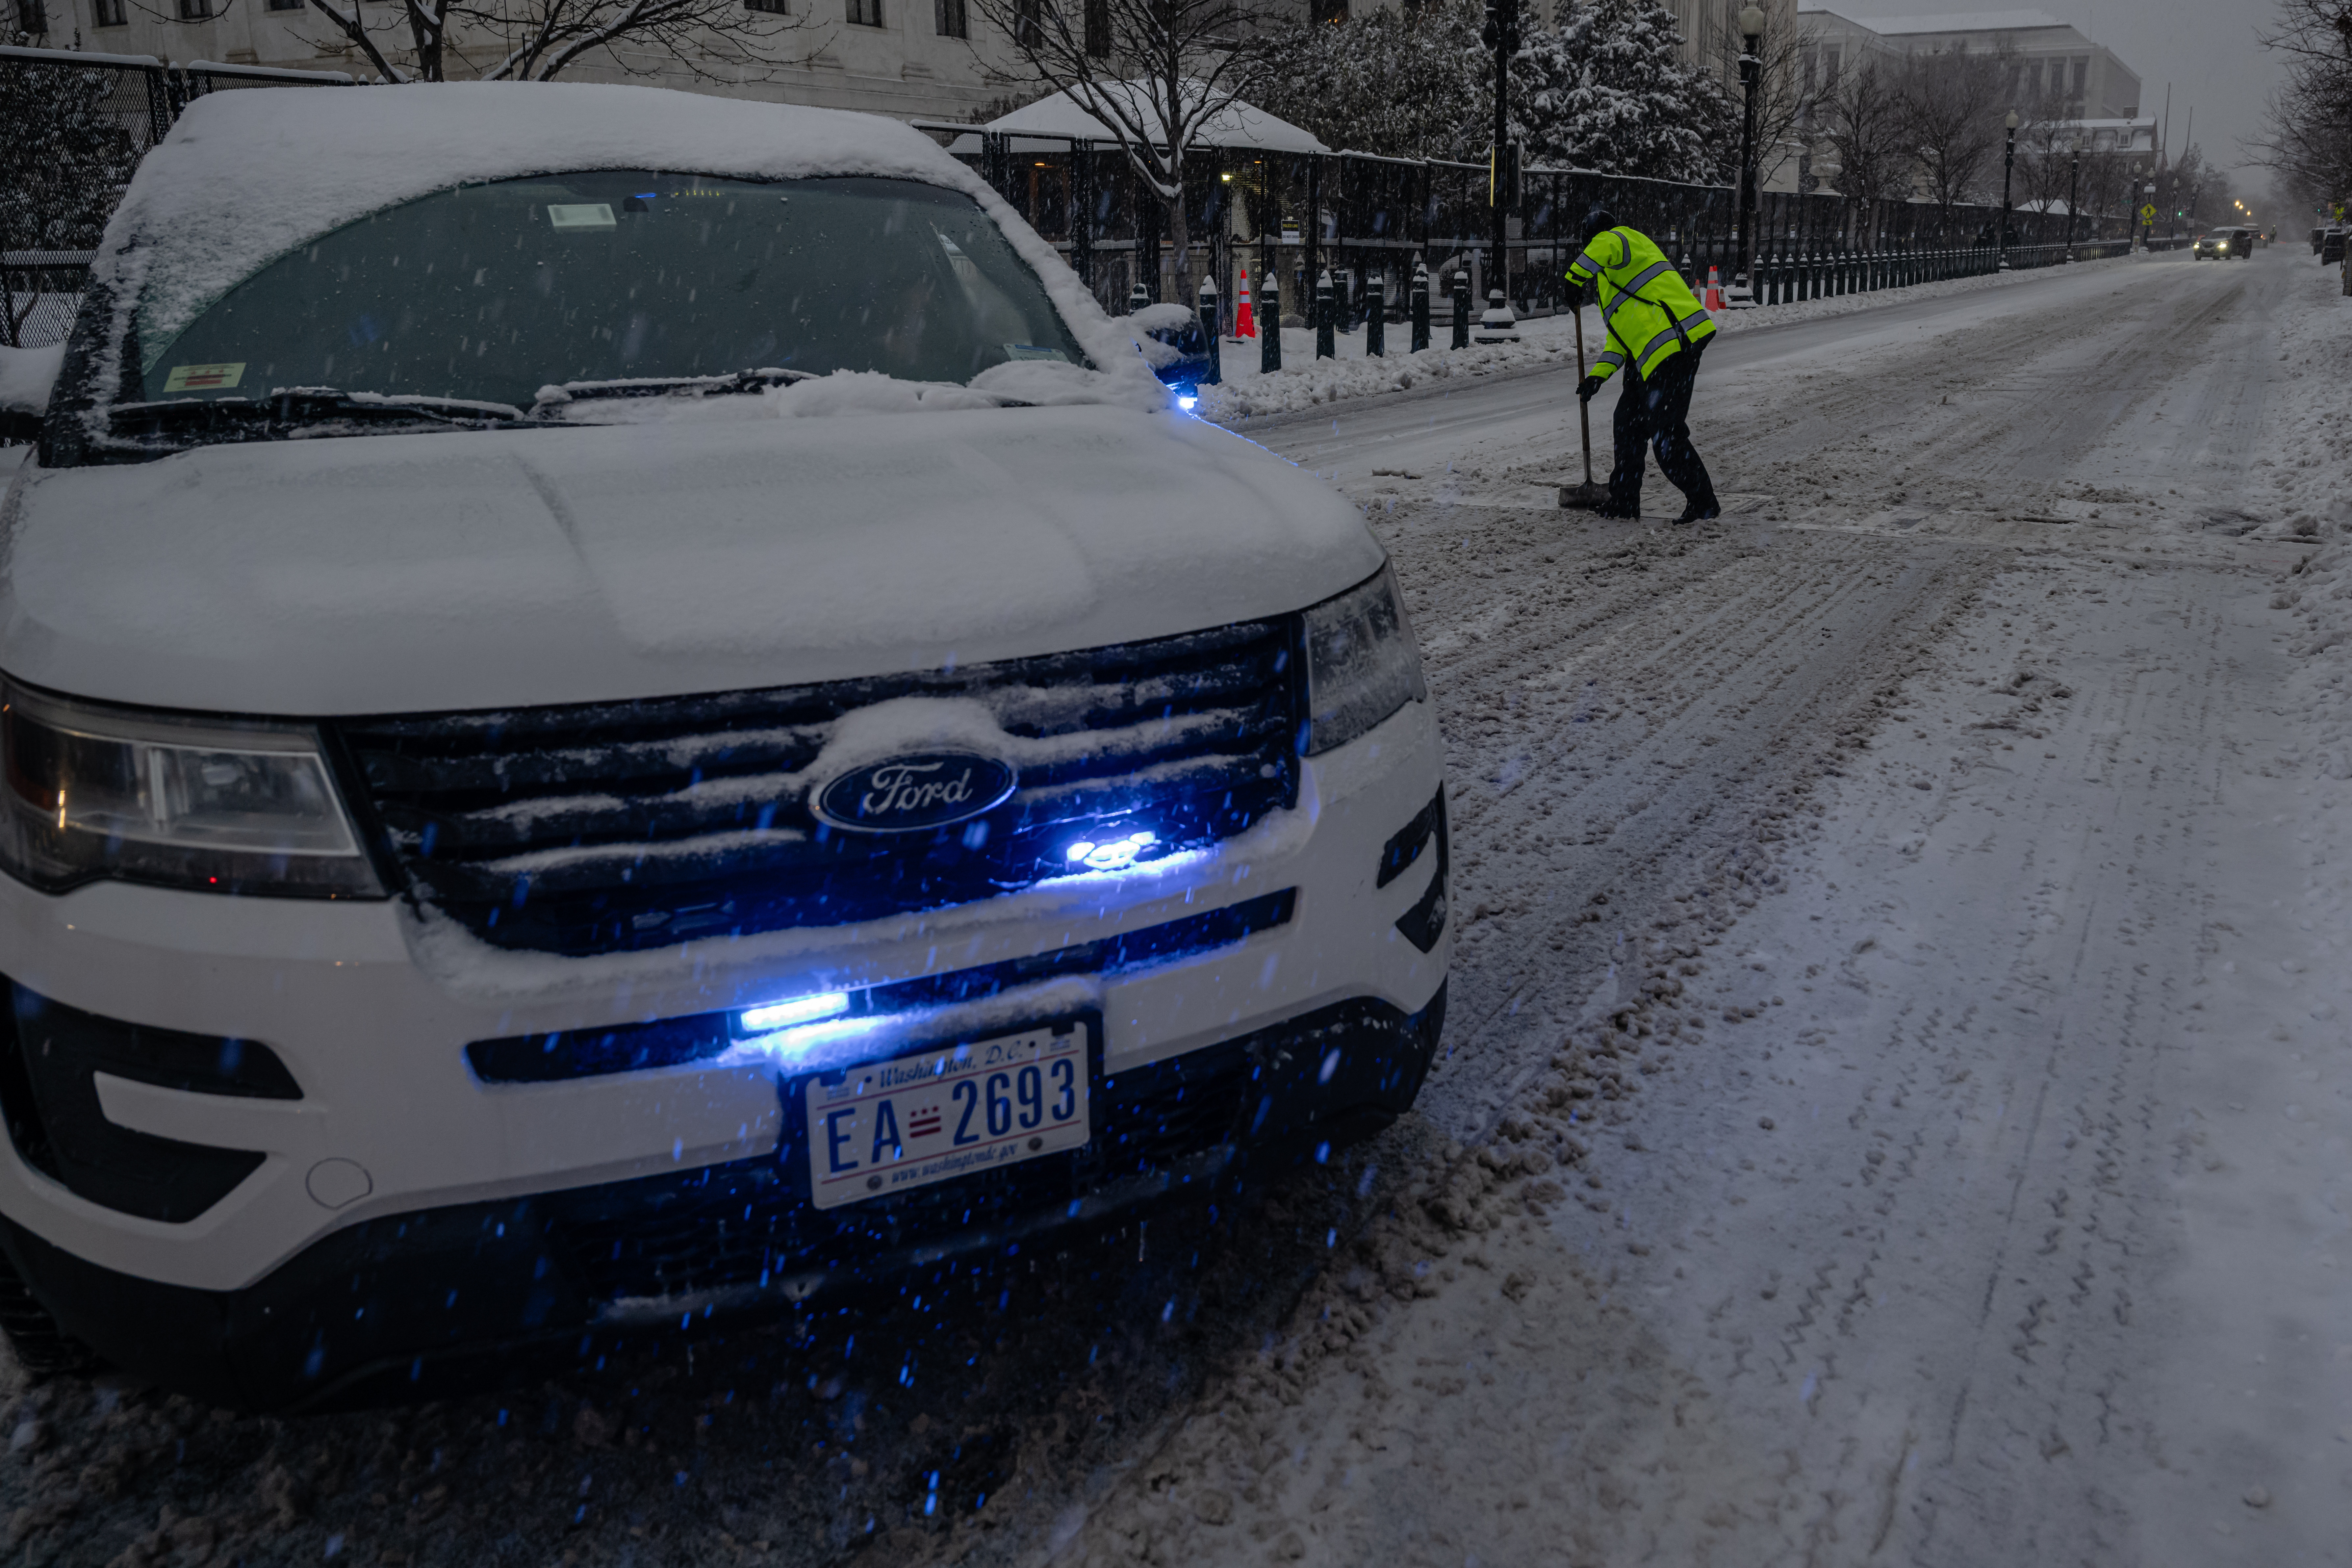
{"points": [[98, 792], [1361, 663]]}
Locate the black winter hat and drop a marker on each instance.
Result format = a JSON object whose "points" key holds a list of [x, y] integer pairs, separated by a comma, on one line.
{"points": [[1598, 218]]}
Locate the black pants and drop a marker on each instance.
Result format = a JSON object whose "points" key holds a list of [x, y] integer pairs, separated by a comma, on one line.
{"points": [[1656, 412]]}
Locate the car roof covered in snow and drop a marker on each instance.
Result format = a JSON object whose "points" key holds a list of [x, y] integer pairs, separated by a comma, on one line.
{"points": [[246, 177]]}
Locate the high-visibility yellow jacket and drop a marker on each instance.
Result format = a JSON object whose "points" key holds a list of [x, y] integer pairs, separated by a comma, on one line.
{"points": [[1651, 312]]}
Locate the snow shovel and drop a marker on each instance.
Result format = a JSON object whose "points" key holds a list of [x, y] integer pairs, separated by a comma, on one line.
{"points": [[1588, 495]]}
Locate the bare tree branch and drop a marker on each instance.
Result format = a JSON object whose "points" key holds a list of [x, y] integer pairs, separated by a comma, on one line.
{"points": [[1785, 101], [541, 38], [1954, 101], [1866, 121], [1154, 72], [347, 23]]}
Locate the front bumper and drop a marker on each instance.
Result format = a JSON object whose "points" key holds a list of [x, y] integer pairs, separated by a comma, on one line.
{"points": [[463, 1212], [451, 1299]]}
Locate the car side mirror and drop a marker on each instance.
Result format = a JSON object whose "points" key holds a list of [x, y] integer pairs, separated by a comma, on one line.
{"points": [[27, 376]]}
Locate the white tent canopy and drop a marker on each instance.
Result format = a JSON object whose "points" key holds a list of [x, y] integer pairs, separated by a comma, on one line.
{"points": [[1238, 125]]}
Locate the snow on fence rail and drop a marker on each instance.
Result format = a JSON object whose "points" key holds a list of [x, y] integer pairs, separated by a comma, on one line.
{"points": [[1362, 216]]}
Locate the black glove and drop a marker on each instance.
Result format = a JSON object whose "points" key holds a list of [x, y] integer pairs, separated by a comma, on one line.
{"points": [[1587, 387]]}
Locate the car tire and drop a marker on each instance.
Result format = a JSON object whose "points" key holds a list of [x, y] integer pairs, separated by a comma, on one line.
{"points": [[41, 1348]]}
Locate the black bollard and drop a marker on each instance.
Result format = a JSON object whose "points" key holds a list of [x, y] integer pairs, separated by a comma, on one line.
{"points": [[1462, 305], [1211, 328], [1324, 308], [1269, 321], [1419, 306], [1376, 316]]}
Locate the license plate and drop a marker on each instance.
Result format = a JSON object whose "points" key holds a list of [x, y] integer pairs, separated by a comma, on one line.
{"points": [[888, 1127]]}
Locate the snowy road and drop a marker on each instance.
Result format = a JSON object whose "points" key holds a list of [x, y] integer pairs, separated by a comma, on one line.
{"points": [[1900, 820], [1890, 1113]]}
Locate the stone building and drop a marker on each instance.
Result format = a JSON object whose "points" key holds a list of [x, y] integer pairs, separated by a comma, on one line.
{"points": [[2054, 58]]}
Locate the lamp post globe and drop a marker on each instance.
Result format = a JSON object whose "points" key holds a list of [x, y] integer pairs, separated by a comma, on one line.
{"points": [[2073, 184], [2008, 162], [1751, 38]]}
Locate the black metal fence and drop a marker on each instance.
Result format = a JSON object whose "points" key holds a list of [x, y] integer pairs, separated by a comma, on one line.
{"points": [[1361, 217], [76, 125], [79, 123]]}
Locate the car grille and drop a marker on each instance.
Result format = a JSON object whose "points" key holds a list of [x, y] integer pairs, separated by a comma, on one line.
{"points": [[614, 826], [744, 1223], [572, 1054]]}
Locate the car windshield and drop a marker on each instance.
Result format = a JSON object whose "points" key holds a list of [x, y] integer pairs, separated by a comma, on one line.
{"points": [[492, 291]]}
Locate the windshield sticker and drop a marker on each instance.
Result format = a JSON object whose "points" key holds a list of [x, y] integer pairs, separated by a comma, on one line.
{"points": [[1033, 351], [204, 377], [580, 214]]}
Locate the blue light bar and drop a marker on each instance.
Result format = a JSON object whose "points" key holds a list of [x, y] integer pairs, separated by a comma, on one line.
{"points": [[798, 1010]]}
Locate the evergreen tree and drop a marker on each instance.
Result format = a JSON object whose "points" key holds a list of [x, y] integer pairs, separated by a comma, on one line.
{"points": [[1608, 91], [1605, 91], [1402, 84]]}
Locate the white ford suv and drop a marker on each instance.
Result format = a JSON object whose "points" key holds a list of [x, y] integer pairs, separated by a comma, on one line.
{"points": [[622, 706]]}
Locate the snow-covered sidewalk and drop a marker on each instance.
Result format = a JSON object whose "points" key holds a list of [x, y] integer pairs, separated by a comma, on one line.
{"points": [[1546, 343]]}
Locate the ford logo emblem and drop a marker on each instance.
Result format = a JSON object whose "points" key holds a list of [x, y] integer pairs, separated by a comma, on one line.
{"points": [[929, 789]]}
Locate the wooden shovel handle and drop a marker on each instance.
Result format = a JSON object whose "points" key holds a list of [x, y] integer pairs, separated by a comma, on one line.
{"points": [[1583, 409]]}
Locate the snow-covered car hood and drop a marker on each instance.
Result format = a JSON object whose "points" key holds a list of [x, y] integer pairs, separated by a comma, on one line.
{"points": [[446, 571]]}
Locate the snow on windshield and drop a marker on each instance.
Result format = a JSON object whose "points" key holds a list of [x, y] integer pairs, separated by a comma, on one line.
{"points": [[247, 178], [491, 291]]}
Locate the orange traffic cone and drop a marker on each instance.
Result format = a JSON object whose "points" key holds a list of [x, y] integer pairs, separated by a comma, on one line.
{"points": [[1714, 300], [1245, 324]]}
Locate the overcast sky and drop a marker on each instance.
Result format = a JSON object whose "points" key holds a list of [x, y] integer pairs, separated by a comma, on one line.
{"points": [[2205, 48]]}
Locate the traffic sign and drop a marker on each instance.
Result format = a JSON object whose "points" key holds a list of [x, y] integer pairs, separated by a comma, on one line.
{"points": [[2148, 211]]}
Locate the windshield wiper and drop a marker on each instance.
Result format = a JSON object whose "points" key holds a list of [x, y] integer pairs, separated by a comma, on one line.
{"points": [[290, 407], [555, 395]]}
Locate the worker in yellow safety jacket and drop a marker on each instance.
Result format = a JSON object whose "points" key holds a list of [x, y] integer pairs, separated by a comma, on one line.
{"points": [[1655, 332]]}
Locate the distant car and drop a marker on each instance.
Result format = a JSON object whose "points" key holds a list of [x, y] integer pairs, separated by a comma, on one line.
{"points": [[2224, 243], [2331, 248]]}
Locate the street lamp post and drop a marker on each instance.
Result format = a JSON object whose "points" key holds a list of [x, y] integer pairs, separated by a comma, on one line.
{"points": [[1751, 68], [2073, 183], [2008, 162], [1502, 36], [2148, 218]]}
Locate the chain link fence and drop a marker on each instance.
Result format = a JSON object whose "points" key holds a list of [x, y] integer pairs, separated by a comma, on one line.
{"points": [[76, 126]]}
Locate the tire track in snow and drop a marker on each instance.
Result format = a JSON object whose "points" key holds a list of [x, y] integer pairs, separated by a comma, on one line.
{"points": [[2006, 1088]]}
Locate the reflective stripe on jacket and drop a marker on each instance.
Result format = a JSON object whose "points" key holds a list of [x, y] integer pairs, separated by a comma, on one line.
{"points": [[1651, 312]]}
